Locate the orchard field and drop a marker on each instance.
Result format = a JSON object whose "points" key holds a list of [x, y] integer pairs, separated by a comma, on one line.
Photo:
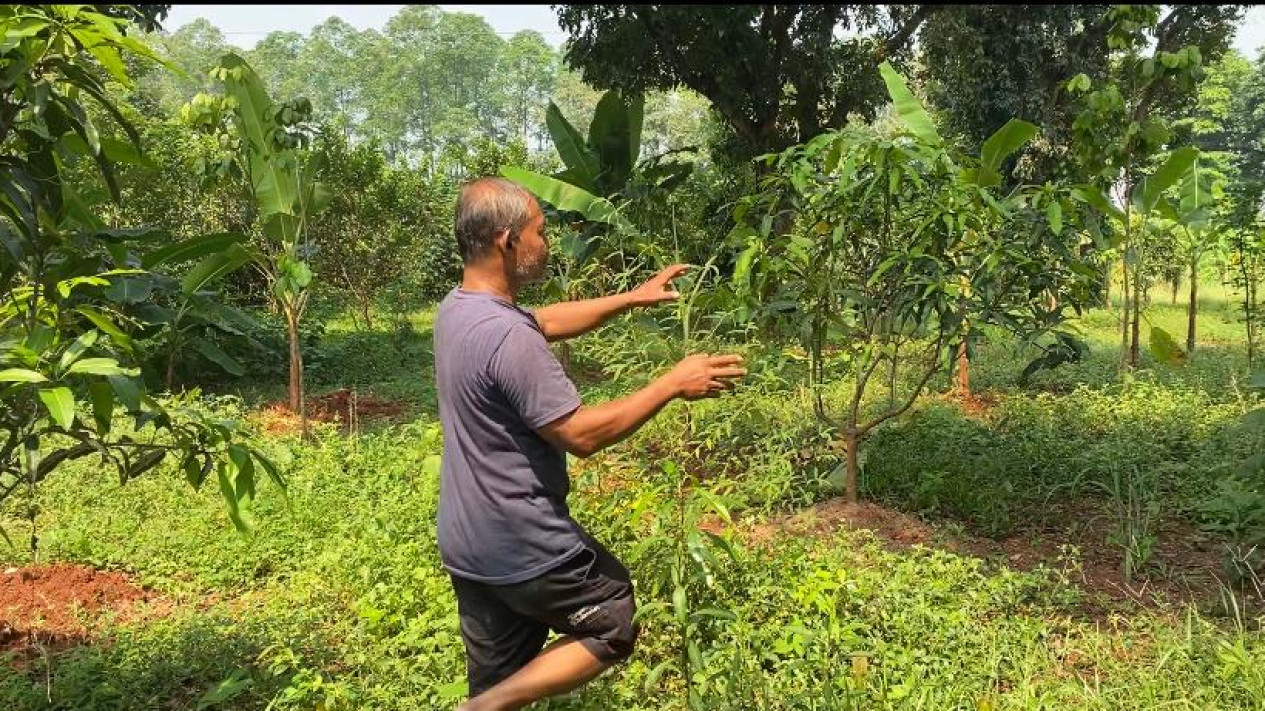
{"points": [[1001, 443]]}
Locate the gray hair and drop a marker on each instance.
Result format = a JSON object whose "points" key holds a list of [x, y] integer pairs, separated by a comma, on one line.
{"points": [[487, 206]]}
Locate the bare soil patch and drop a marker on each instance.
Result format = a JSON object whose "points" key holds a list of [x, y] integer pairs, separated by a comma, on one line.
{"points": [[60, 605], [345, 407]]}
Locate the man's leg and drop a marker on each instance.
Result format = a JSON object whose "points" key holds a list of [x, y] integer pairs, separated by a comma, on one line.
{"points": [[564, 665], [498, 641], [589, 600]]}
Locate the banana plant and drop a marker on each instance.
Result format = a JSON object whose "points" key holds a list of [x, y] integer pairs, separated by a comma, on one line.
{"points": [[604, 172], [1201, 190], [264, 141]]}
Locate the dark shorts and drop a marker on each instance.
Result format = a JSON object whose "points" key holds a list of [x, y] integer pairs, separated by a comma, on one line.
{"points": [[589, 597]]}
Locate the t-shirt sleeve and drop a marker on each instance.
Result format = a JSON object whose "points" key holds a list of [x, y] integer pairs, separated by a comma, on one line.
{"points": [[531, 378]]}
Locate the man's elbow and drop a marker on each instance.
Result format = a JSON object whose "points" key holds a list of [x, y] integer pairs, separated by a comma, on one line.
{"points": [[584, 448]]}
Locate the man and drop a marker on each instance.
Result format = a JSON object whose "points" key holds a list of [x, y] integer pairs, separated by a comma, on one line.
{"points": [[520, 565]]}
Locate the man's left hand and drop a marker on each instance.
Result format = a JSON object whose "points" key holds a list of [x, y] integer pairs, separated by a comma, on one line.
{"points": [[658, 289]]}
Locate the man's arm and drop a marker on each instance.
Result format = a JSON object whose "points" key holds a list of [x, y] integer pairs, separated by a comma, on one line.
{"points": [[588, 430], [575, 318]]}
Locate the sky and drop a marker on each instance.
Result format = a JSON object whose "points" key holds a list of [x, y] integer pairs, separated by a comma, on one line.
{"points": [[244, 25]]}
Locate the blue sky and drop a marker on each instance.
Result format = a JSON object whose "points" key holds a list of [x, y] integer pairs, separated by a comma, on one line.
{"points": [[244, 25]]}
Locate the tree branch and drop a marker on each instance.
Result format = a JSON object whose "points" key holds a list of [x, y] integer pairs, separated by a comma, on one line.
{"points": [[935, 368], [906, 31]]}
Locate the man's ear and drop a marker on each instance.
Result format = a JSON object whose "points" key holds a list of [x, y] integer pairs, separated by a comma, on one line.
{"points": [[505, 239]]}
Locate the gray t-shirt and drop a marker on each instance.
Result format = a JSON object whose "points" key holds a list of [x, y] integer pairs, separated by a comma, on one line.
{"points": [[503, 515]]}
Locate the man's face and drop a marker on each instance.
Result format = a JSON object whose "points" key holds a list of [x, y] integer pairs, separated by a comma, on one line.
{"points": [[532, 249]]}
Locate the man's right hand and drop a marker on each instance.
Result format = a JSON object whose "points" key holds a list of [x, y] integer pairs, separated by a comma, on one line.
{"points": [[699, 376]]}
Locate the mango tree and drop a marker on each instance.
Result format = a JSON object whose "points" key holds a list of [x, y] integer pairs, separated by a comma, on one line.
{"points": [[887, 251], [263, 141], [63, 341]]}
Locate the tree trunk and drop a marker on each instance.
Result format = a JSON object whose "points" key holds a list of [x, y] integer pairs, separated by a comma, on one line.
{"points": [[1193, 308], [850, 480], [171, 369], [1176, 286], [964, 371], [297, 399], [1125, 317], [365, 309], [1137, 321], [1106, 289]]}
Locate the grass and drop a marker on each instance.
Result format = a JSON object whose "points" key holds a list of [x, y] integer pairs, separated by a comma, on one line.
{"points": [[339, 601]]}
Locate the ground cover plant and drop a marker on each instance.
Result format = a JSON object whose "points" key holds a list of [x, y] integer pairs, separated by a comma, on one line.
{"points": [[935, 488]]}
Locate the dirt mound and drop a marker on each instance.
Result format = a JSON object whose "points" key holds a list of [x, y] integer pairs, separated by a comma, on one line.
{"points": [[345, 407], [57, 605], [898, 529]]}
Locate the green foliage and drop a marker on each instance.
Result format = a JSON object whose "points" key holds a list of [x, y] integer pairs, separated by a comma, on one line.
{"points": [[777, 75], [69, 280], [341, 602], [383, 226], [873, 245]]}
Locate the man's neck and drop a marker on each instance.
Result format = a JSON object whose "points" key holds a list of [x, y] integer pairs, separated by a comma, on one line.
{"points": [[492, 282]]}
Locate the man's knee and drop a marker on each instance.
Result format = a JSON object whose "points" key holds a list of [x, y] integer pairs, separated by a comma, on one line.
{"points": [[623, 636]]}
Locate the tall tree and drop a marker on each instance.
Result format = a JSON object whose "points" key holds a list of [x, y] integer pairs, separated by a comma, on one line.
{"points": [[275, 57], [193, 50], [778, 74], [527, 69], [984, 64]]}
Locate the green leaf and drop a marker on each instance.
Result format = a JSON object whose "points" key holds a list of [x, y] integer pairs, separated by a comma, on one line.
{"points": [[232, 497], [276, 184], [227, 690], [695, 656], [21, 375], [195, 472], [1095, 197], [76, 349], [102, 322], [652, 679], [611, 136], [567, 197], [130, 290], [191, 249], [219, 357], [1006, 140], [742, 268], [1166, 175], [908, 108], [679, 606], [580, 162], [271, 469], [214, 267], [60, 403], [1054, 213], [102, 396], [127, 390], [99, 366]]}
